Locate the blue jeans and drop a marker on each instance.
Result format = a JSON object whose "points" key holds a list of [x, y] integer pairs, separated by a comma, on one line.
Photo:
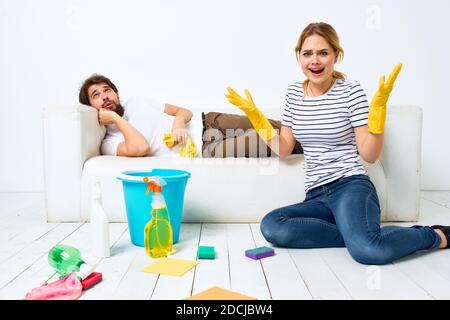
{"points": [[345, 213]]}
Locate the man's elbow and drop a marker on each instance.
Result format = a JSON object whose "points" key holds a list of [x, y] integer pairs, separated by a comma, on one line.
{"points": [[188, 115], [135, 151], [143, 151]]}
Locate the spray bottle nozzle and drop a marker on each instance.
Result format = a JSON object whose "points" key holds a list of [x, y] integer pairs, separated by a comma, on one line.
{"points": [[152, 185]]}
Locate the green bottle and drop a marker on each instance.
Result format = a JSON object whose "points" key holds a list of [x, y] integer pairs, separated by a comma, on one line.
{"points": [[66, 259], [158, 235]]}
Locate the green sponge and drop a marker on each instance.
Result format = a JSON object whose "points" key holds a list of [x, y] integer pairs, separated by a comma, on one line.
{"points": [[206, 252]]}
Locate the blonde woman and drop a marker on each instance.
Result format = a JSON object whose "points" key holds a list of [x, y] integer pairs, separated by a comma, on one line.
{"points": [[331, 118]]}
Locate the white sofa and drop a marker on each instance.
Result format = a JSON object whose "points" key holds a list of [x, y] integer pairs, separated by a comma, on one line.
{"points": [[219, 190]]}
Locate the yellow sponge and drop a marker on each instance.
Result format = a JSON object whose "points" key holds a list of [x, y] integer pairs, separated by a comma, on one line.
{"points": [[168, 140]]}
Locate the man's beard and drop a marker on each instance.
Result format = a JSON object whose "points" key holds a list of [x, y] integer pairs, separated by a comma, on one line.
{"points": [[119, 110]]}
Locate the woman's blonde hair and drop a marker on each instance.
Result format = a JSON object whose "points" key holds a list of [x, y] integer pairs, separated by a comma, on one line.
{"points": [[330, 35]]}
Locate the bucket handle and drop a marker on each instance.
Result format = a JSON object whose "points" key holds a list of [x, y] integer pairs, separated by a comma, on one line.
{"points": [[156, 179]]}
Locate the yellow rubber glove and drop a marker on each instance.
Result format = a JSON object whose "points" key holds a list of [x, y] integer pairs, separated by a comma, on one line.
{"points": [[256, 117], [189, 150], [168, 140], [377, 110]]}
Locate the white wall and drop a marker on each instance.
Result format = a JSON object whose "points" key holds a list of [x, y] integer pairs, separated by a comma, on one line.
{"points": [[187, 52]]}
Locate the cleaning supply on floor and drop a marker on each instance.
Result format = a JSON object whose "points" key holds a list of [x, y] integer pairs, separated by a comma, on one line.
{"points": [[68, 288], [99, 224], [206, 252], [259, 253], [66, 259], [170, 266], [158, 231], [91, 280]]}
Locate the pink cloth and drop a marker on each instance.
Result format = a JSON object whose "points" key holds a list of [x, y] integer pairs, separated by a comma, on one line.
{"points": [[68, 288]]}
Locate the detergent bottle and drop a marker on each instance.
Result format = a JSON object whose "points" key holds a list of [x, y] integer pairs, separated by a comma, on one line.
{"points": [[158, 239], [66, 259], [99, 224]]}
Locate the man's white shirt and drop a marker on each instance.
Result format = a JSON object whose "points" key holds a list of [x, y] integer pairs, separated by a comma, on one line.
{"points": [[148, 117]]}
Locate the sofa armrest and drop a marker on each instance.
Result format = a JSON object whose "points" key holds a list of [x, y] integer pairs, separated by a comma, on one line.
{"points": [[71, 135], [401, 161]]}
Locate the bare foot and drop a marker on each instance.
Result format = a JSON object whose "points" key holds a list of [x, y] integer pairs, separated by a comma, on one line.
{"points": [[443, 239]]}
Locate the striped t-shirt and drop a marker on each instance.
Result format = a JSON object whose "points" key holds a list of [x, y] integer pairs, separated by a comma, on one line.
{"points": [[324, 127]]}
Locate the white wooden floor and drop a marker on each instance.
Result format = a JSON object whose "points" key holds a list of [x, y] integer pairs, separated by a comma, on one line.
{"points": [[25, 239]]}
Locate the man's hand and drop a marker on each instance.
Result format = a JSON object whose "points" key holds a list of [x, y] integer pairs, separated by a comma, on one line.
{"points": [[179, 132], [106, 117], [377, 110]]}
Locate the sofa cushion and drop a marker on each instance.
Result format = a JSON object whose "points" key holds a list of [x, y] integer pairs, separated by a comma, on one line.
{"points": [[219, 190]]}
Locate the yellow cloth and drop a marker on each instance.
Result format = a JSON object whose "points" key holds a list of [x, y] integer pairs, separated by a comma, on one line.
{"points": [[189, 150], [377, 110], [171, 267], [217, 293], [168, 140], [256, 117]]}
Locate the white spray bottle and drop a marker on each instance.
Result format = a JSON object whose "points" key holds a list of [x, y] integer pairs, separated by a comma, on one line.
{"points": [[99, 224]]}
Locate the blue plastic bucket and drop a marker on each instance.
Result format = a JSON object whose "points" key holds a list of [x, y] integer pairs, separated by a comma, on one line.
{"points": [[138, 204]]}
